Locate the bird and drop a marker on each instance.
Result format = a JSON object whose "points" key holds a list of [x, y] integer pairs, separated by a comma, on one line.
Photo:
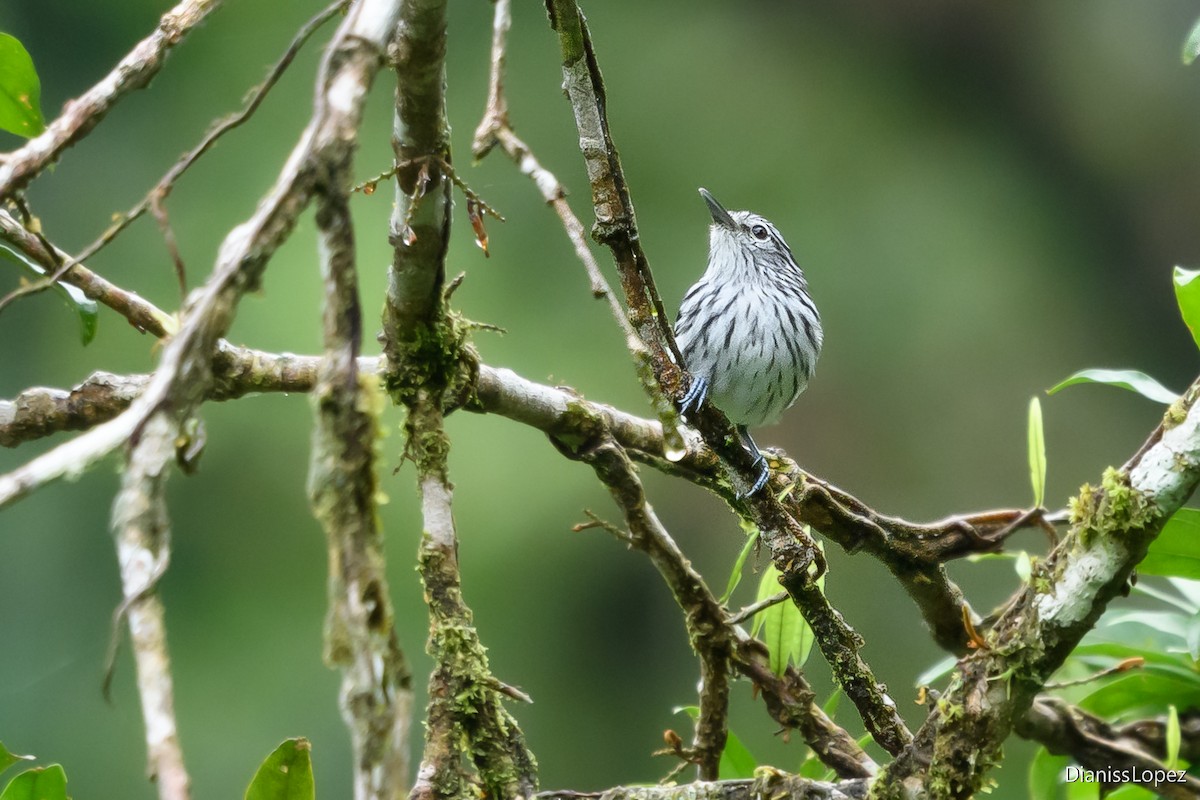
{"points": [[748, 330]]}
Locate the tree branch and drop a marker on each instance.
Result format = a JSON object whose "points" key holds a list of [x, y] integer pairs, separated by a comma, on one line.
{"points": [[360, 634], [82, 114], [425, 357], [1067, 730], [1112, 527], [142, 530]]}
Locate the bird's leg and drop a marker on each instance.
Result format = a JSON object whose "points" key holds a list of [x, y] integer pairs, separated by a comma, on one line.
{"points": [[695, 395], [759, 461]]}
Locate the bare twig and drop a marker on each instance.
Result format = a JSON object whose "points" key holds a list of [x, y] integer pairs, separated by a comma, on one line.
{"points": [[709, 636], [83, 113], [752, 609], [157, 196]]}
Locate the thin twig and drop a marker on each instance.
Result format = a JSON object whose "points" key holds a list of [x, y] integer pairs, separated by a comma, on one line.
{"points": [[752, 609]]}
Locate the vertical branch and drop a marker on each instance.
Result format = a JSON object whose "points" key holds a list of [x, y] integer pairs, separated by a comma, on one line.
{"points": [[360, 635], [142, 531], [426, 356]]}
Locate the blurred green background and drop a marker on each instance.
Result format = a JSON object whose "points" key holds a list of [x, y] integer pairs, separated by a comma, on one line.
{"points": [[985, 197]]}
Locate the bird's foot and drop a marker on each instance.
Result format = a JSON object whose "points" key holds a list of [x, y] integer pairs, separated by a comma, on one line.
{"points": [[761, 481], [695, 395]]}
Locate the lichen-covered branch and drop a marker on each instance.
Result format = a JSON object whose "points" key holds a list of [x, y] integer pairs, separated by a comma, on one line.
{"points": [[360, 634], [142, 531], [426, 358], [770, 783], [83, 113], [1111, 528]]}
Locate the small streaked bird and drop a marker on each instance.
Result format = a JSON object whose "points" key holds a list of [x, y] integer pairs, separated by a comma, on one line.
{"points": [[749, 333]]}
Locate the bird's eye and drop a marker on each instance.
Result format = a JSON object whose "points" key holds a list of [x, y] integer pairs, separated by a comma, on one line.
{"points": [[759, 232]]}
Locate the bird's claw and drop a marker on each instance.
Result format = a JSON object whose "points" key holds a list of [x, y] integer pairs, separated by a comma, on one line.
{"points": [[760, 481], [695, 395]]}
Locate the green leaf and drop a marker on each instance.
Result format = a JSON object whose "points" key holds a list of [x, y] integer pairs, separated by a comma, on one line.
{"points": [[20, 90], [1176, 550], [1142, 693], [1045, 775], [1187, 294], [7, 759], [286, 774], [39, 783], [735, 577], [784, 631], [736, 761], [84, 307], [1129, 379], [1191, 46], [1037, 453], [1174, 737]]}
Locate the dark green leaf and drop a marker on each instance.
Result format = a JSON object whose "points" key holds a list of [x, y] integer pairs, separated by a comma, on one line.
{"points": [[285, 775], [39, 783], [1129, 379], [20, 90], [7, 759], [1176, 551], [1037, 453], [84, 307]]}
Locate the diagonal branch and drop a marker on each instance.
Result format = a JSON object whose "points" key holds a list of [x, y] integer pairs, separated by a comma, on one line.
{"points": [[710, 636], [792, 548], [86, 111], [1112, 527]]}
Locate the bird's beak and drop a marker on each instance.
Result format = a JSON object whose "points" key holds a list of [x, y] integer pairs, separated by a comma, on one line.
{"points": [[719, 214]]}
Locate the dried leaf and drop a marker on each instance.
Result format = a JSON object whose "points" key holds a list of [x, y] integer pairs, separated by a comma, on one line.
{"points": [[475, 214]]}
